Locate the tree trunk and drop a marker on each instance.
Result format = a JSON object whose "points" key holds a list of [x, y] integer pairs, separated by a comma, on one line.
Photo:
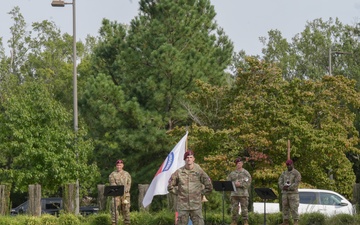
{"points": [[34, 200], [4, 200], [69, 198]]}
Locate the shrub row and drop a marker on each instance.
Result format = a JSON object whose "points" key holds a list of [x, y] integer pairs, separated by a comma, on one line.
{"points": [[167, 218]]}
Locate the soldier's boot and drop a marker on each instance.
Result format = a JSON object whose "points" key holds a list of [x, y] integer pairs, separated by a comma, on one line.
{"points": [[285, 222], [246, 222], [233, 222], [296, 222]]}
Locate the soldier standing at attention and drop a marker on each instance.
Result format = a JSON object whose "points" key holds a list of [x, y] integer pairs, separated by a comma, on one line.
{"points": [[242, 180], [116, 178], [289, 185], [189, 183]]}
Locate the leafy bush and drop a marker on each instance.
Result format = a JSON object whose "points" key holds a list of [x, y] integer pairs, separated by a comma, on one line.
{"points": [[99, 219], [344, 219], [68, 219], [313, 219], [271, 219], [167, 217], [49, 220]]}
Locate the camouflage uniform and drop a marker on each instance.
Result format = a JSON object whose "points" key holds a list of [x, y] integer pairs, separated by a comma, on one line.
{"points": [[121, 178], [241, 195], [189, 186], [290, 197]]}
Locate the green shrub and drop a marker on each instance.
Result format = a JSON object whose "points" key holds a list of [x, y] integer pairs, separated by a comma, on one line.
{"points": [[271, 219], [214, 218], [313, 219], [10, 220], [68, 219], [343, 219], [49, 220], [138, 218], [163, 217], [98, 219]]}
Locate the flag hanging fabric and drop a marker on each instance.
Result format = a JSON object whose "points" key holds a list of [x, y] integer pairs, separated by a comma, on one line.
{"points": [[172, 162]]}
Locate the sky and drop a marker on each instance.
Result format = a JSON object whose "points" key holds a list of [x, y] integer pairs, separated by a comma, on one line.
{"points": [[243, 21]]}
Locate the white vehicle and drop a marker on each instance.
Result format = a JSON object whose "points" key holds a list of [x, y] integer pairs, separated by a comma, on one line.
{"points": [[314, 200]]}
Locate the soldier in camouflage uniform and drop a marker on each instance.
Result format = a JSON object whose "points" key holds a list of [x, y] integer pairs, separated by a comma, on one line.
{"points": [[289, 183], [242, 180], [121, 177], [189, 183]]}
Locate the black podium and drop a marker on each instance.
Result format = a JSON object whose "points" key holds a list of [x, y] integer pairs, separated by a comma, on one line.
{"points": [[114, 191], [265, 193], [224, 186]]}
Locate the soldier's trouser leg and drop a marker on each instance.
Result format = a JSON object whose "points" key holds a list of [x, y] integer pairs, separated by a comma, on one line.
{"points": [[235, 208], [294, 206], [195, 216], [183, 217], [125, 209], [285, 207], [244, 202]]}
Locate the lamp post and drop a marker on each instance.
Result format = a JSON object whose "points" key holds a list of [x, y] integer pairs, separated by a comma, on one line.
{"points": [[61, 3], [338, 53]]}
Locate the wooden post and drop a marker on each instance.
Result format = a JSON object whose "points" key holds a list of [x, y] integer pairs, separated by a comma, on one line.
{"points": [[4, 200], [101, 198], [142, 191], [69, 198], [34, 200], [356, 194]]}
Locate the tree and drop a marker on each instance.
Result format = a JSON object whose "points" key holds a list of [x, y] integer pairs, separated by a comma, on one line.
{"points": [[17, 43], [140, 74], [37, 142], [262, 111], [307, 55]]}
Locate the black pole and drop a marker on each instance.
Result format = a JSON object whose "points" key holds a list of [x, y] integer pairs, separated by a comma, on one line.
{"points": [[223, 206], [115, 210]]}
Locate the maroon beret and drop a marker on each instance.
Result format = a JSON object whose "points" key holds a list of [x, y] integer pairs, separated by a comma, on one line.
{"points": [[119, 161], [238, 160], [187, 153], [289, 162]]}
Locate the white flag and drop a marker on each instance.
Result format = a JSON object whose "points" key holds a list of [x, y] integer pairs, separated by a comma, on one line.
{"points": [[173, 161]]}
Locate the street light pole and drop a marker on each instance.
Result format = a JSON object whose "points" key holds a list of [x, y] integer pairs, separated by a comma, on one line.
{"points": [[61, 3], [338, 53], [330, 61]]}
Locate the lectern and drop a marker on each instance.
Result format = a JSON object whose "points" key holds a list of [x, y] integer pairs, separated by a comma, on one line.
{"points": [[265, 193], [224, 186], [114, 191]]}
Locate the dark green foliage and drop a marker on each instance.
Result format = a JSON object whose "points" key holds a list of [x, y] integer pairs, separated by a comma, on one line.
{"points": [[68, 219], [49, 220], [343, 219], [313, 219], [137, 79], [99, 219]]}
